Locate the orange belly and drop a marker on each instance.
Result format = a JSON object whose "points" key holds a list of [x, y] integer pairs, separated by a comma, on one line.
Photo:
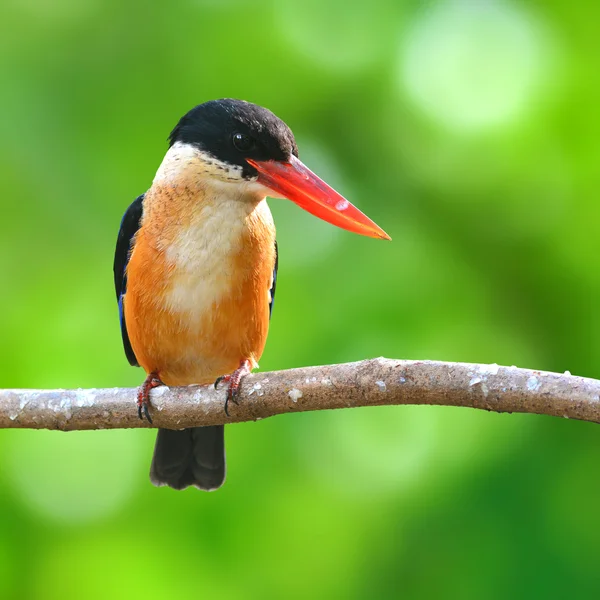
{"points": [[191, 320]]}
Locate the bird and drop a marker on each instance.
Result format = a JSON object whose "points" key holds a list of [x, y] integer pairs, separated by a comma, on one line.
{"points": [[195, 266]]}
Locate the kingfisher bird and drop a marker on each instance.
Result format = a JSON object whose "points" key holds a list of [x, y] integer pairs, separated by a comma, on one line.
{"points": [[195, 266]]}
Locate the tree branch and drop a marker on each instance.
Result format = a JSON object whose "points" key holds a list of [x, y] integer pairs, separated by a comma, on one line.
{"points": [[374, 382]]}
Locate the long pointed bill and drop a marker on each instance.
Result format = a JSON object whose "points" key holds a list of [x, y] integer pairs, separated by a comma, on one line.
{"points": [[298, 183]]}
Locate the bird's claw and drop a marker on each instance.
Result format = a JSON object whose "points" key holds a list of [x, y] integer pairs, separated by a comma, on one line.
{"points": [[221, 378], [143, 396], [234, 380], [144, 413], [231, 397]]}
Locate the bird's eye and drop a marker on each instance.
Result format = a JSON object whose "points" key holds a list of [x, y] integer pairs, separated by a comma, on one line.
{"points": [[243, 143]]}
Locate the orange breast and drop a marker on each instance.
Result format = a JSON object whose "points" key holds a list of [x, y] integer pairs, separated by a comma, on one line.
{"points": [[198, 281]]}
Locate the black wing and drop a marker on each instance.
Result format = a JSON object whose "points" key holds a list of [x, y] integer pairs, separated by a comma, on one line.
{"points": [[129, 226], [272, 291]]}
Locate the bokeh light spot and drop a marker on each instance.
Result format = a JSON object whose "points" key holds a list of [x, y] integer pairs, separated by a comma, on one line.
{"points": [[473, 65], [76, 476], [373, 451], [337, 35], [390, 449]]}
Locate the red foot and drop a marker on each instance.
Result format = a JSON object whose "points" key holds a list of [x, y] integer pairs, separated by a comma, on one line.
{"points": [[234, 380], [143, 395]]}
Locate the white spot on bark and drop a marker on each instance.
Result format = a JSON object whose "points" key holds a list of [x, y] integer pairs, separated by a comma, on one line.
{"points": [[295, 394], [481, 382], [84, 397], [256, 388], [533, 384], [490, 369], [381, 385]]}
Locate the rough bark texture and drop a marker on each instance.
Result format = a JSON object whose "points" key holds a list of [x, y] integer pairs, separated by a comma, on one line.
{"points": [[368, 383]]}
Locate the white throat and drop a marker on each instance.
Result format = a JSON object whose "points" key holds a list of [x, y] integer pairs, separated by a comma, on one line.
{"points": [[188, 166], [202, 255], [186, 162]]}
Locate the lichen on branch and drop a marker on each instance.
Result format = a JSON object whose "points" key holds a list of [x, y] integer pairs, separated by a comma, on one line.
{"points": [[375, 382]]}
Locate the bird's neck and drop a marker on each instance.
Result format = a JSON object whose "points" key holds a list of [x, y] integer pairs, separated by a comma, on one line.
{"points": [[191, 193], [185, 164]]}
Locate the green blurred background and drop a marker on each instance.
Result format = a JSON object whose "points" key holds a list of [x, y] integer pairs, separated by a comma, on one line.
{"points": [[469, 131]]}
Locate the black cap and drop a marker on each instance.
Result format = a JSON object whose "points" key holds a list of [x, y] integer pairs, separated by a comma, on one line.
{"points": [[233, 130]]}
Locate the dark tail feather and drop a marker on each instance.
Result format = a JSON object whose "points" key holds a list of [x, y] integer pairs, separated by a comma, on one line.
{"points": [[189, 457]]}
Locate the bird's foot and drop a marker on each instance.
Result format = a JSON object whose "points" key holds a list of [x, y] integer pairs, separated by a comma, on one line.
{"points": [[143, 396], [234, 380]]}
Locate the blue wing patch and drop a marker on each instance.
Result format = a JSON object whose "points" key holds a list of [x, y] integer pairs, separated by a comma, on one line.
{"points": [[129, 226], [272, 291]]}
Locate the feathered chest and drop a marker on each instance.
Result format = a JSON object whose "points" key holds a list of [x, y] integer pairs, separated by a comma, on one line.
{"points": [[199, 278], [208, 251]]}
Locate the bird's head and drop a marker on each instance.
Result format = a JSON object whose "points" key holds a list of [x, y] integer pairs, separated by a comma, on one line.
{"points": [[240, 142]]}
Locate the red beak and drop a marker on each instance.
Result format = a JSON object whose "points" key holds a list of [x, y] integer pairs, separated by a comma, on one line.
{"points": [[298, 183]]}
